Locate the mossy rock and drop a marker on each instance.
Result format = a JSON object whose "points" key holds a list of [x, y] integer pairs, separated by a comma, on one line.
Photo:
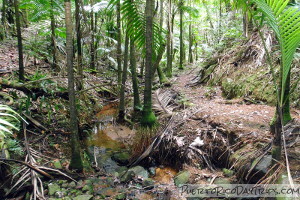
{"points": [[121, 157], [182, 178]]}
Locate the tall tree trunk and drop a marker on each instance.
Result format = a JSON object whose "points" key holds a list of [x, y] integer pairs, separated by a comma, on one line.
{"points": [[169, 42], [119, 45], [142, 68], [79, 46], [190, 43], [161, 22], [3, 17], [136, 97], [156, 66], [181, 56], [121, 116], [76, 161], [20, 45], [9, 12], [53, 39], [245, 24], [3, 20], [148, 117], [92, 64]]}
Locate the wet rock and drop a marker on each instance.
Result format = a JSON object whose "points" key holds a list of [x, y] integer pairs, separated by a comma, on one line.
{"points": [[121, 157], [152, 171], [264, 164], [108, 165], [52, 188], [228, 172], [139, 171], [86, 188], [83, 197], [127, 176], [72, 184], [221, 181], [121, 170], [182, 178], [148, 183]]}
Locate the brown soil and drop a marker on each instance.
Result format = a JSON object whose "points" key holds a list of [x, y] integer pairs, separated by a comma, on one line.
{"points": [[236, 115]]}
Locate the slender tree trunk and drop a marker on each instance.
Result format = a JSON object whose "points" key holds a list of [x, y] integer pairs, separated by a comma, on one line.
{"points": [[142, 68], [196, 51], [181, 57], [161, 22], [96, 38], [20, 45], [121, 116], [190, 43], [156, 66], [148, 117], [3, 12], [119, 45], [76, 161], [245, 24], [79, 46], [53, 39], [169, 42], [136, 98], [92, 64], [9, 12]]}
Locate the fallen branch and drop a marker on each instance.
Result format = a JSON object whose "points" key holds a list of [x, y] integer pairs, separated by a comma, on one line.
{"points": [[29, 166]]}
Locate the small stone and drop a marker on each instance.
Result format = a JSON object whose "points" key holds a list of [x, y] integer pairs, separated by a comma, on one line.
{"points": [[152, 171], [121, 169], [85, 188], [121, 157], [57, 164], [221, 181], [127, 176], [148, 183], [140, 172], [182, 177], [227, 172], [121, 196], [61, 182], [78, 192], [72, 184], [83, 197], [53, 187]]}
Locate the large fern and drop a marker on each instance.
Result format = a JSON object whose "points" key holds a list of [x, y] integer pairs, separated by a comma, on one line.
{"points": [[285, 21]]}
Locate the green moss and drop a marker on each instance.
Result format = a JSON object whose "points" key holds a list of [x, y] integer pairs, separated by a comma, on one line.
{"points": [[148, 119]]}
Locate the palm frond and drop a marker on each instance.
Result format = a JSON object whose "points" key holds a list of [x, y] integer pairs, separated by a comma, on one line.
{"points": [[286, 24], [134, 17]]}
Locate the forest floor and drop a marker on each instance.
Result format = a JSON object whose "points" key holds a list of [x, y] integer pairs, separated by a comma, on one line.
{"points": [[248, 122]]}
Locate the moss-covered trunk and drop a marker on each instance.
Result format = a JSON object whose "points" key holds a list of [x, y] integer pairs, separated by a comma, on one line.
{"points": [[148, 117]]}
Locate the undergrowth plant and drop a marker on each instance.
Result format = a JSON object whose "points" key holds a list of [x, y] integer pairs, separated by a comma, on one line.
{"points": [[9, 121], [285, 22]]}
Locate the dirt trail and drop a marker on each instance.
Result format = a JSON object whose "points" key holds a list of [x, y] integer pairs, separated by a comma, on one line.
{"points": [[235, 115]]}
